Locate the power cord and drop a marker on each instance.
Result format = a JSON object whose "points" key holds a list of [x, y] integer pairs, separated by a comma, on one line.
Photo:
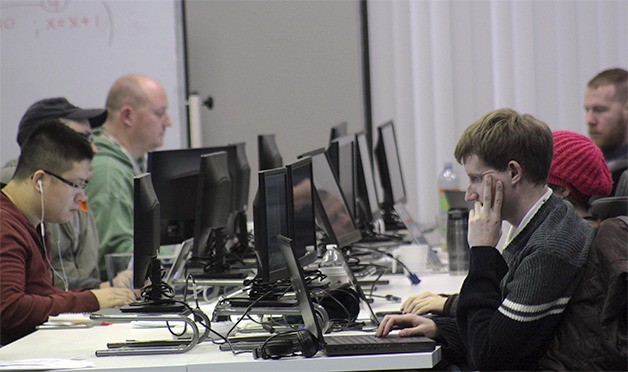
{"points": [[414, 278]]}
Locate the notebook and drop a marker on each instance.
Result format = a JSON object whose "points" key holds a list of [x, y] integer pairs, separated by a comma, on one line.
{"points": [[345, 344]]}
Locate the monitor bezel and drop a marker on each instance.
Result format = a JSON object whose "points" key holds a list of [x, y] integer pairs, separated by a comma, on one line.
{"points": [[268, 154], [338, 130], [351, 236], [334, 155], [210, 201], [260, 226], [155, 166], [384, 151], [367, 194], [308, 256], [146, 228]]}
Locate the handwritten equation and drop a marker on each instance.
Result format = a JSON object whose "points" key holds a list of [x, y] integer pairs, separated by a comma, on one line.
{"points": [[53, 24], [47, 17]]}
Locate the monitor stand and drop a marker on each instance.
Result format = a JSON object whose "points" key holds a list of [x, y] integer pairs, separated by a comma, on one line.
{"points": [[375, 231], [216, 266], [392, 221], [155, 299], [371, 231]]}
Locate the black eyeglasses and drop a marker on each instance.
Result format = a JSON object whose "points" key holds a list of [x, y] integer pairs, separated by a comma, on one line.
{"points": [[88, 136], [80, 187]]}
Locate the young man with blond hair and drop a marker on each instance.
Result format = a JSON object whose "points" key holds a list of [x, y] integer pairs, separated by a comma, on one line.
{"points": [[511, 302]]}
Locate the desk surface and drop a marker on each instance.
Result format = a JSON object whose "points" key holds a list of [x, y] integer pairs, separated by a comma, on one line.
{"points": [[82, 343]]}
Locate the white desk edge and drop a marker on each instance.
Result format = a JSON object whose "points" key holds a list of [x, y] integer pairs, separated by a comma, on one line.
{"points": [[82, 343]]}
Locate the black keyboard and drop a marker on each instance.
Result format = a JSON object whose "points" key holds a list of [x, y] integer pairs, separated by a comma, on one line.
{"points": [[368, 344], [151, 307]]}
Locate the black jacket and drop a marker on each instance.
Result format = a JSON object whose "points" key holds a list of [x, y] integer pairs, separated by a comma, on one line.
{"points": [[592, 333]]}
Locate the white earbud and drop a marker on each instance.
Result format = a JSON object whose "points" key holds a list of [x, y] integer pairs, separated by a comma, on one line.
{"points": [[41, 185]]}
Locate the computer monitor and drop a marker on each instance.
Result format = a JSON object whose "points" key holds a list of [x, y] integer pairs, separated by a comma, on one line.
{"points": [[156, 295], [367, 202], [268, 153], [341, 155], [212, 207], [389, 165], [301, 210], [243, 177], [270, 219], [242, 186], [337, 130], [330, 202], [146, 222], [175, 178]]}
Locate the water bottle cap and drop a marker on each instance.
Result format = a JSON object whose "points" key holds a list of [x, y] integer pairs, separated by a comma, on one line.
{"points": [[458, 213]]}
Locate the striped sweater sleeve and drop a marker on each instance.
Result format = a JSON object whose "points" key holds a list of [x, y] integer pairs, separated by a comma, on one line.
{"points": [[509, 328]]}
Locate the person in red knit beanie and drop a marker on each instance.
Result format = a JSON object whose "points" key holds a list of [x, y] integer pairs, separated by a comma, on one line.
{"points": [[578, 171]]}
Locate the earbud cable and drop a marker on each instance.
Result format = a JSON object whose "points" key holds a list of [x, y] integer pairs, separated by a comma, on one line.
{"points": [[42, 230]]}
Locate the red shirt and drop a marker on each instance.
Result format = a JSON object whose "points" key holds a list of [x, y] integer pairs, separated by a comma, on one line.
{"points": [[27, 295]]}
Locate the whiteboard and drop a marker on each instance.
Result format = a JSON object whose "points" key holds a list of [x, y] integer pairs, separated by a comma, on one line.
{"points": [[77, 49]]}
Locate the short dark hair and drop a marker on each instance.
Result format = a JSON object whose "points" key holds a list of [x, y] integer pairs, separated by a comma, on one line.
{"points": [[613, 76], [52, 146], [504, 135]]}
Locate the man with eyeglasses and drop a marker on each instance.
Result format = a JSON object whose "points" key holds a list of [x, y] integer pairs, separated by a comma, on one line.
{"points": [[512, 301], [74, 244], [48, 187], [137, 118]]}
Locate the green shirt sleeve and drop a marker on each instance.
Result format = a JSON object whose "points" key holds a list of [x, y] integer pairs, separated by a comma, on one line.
{"points": [[110, 195]]}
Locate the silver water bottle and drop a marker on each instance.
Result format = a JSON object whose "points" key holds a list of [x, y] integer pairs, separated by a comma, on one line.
{"points": [[457, 243]]}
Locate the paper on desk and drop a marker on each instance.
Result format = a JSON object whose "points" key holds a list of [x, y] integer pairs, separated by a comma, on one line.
{"points": [[43, 364]]}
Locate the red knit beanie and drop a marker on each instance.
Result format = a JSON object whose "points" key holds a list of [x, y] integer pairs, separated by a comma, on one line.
{"points": [[579, 166]]}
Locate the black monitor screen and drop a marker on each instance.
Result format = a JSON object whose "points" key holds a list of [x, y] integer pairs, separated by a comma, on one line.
{"points": [[333, 211], [301, 217], [268, 153], [146, 221], [341, 156], [390, 166], [175, 178], [212, 205], [243, 178], [270, 219], [366, 188]]}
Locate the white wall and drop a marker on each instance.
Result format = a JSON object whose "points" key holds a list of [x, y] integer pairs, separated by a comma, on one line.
{"points": [[436, 66], [289, 68], [77, 49]]}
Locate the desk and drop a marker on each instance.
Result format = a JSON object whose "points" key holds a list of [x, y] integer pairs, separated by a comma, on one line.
{"points": [[82, 343]]}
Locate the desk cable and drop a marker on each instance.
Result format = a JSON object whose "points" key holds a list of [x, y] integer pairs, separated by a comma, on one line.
{"points": [[414, 278]]}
